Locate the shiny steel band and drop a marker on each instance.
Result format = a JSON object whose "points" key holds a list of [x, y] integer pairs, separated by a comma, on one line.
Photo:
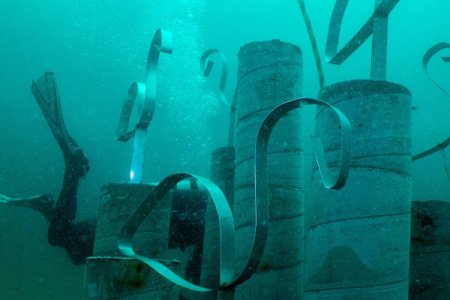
{"points": [[228, 280], [145, 94], [376, 25], [427, 57]]}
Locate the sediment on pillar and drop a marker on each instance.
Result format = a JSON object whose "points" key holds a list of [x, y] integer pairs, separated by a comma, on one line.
{"points": [[270, 73], [357, 241]]}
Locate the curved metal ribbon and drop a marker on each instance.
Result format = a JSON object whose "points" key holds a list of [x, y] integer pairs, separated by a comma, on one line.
{"points": [[331, 54], [136, 93], [162, 42], [226, 227], [261, 173], [225, 217], [440, 147], [427, 57], [146, 96], [207, 70]]}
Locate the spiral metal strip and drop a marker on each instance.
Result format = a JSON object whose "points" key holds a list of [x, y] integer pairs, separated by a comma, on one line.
{"points": [[145, 94], [427, 57], [332, 55], [209, 65], [136, 94], [228, 280]]}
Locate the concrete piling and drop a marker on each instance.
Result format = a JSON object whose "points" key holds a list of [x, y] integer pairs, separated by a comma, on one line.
{"points": [[357, 243], [270, 73]]}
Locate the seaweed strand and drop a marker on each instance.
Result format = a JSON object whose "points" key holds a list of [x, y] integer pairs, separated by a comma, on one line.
{"points": [[313, 41]]}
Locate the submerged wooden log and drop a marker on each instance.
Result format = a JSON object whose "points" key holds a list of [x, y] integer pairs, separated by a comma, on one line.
{"points": [[269, 74], [357, 244], [430, 251]]}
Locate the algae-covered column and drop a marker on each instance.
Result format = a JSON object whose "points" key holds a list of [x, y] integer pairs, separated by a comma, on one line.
{"points": [[358, 238], [357, 241], [269, 74]]}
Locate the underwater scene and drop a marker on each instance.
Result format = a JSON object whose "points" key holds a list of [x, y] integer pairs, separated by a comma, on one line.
{"points": [[225, 149]]}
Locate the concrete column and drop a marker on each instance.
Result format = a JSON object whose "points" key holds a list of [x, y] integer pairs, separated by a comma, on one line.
{"points": [[270, 73], [357, 243]]}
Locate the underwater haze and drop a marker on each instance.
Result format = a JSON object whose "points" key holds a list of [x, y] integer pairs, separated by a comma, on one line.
{"points": [[98, 48]]}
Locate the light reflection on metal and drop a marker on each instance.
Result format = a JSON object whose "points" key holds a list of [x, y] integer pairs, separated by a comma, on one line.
{"points": [[209, 65], [228, 281], [427, 57], [376, 26], [145, 96], [226, 226]]}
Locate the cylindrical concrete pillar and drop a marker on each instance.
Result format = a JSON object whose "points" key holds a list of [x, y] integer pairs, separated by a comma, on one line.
{"points": [[269, 74], [429, 276], [111, 275], [222, 174], [357, 242]]}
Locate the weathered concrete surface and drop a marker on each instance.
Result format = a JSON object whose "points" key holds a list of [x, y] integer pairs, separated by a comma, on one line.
{"points": [[124, 278], [270, 73], [119, 200], [430, 251], [357, 244], [111, 275]]}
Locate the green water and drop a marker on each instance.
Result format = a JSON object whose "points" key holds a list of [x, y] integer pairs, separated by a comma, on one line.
{"points": [[97, 48]]}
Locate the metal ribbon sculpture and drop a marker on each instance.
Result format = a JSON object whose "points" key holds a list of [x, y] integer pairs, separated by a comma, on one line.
{"points": [[440, 147], [376, 26], [145, 94], [206, 65], [427, 57], [228, 280], [209, 65]]}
